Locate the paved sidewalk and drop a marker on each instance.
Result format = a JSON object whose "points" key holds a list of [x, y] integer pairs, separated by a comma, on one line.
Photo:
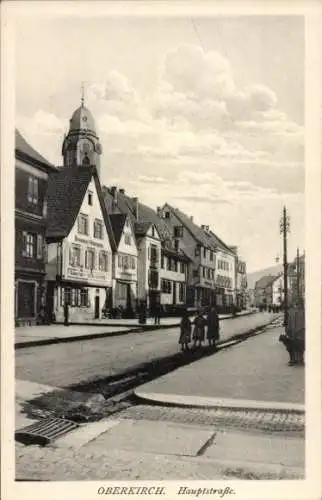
{"points": [[49, 334], [145, 450], [28, 334], [254, 373]]}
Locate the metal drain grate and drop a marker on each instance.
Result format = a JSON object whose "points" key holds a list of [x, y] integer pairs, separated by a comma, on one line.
{"points": [[45, 431]]}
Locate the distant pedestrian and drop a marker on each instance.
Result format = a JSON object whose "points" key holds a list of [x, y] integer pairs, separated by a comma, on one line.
{"points": [[199, 329], [66, 314], [142, 313], [185, 331], [212, 327], [157, 313]]}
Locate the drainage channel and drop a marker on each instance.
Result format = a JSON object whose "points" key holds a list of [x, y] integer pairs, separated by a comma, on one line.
{"points": [[59, 415]]}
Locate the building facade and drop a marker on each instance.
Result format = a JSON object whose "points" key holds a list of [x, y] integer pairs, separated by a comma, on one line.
{"points": [[125, 264], [296, 273], [80, 244], [241, 284], [31, 177], [211, 274], [149, 260], [173, 274], [155, 283]]}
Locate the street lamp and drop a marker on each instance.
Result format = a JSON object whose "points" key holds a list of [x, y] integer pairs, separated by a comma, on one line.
{"points": [[284, 229]]}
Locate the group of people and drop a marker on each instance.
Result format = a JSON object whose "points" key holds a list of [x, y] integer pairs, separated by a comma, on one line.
{"points": [[197, 328]]}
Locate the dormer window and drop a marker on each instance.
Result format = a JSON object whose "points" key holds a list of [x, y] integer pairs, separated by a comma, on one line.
{"points": [[167, 215]]}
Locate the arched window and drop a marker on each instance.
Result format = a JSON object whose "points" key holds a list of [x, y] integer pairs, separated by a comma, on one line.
{"points": [[86, 160]]}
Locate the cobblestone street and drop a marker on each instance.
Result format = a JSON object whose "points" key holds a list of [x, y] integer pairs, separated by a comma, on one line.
{"points": [[64, 364]]}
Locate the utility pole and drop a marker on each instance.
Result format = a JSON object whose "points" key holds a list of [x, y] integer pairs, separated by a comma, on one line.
{"points": [[298, 274], [284, 229]]}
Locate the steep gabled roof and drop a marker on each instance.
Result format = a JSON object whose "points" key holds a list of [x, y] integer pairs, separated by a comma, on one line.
{"points": [[117, 222], [126, 204], [265, 281], [208, 240], [141, 228], [65, 194], [27, 152]]}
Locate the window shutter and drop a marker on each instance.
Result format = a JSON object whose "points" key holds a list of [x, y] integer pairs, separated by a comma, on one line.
{"points": [[30, 188], [39, 246], [71, 255], [35, 190], [24, 243]]}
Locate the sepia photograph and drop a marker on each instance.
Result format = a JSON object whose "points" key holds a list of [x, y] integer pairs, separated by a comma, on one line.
{"points": [[159, 250]]}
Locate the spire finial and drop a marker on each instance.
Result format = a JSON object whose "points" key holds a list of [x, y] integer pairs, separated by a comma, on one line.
{"points": [[82, 94]]}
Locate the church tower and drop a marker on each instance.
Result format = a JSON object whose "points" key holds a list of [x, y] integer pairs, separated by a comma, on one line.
{"points": [[81, 146]]}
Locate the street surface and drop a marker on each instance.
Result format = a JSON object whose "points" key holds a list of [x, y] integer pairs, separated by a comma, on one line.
{"points": [[65, 364], [256, 369]]}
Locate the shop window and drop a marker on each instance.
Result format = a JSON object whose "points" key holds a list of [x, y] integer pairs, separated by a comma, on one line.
{"points": [[66, 296], [84, 300], [103, 261], [33, 190], [98, 229], [90, 259], [83, 224]]}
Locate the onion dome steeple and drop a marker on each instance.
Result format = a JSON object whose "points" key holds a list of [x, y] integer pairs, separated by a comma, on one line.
{"points": [[81, 146]]}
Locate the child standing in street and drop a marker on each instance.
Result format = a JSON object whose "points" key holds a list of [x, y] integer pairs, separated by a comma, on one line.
{"points": [[185, 332], [199, 329]]}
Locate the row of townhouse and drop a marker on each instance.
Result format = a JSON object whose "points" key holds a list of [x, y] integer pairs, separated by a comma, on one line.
{"points": [[96, 248], [269, 289]]}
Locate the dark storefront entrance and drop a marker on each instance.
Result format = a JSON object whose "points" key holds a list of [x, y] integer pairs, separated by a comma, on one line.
{"points": [[28, 290]]}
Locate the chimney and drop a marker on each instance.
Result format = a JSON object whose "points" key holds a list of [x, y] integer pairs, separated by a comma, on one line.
{"points": [[122, 191], [203, 227], [159, 212], [207, 229], [136, 207]]}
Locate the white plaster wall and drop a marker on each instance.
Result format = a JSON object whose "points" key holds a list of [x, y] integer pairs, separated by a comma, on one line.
{"points": [[98, 278]]}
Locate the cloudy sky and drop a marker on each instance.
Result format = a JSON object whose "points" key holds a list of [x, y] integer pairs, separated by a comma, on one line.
{"points": [[204, 113]]}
